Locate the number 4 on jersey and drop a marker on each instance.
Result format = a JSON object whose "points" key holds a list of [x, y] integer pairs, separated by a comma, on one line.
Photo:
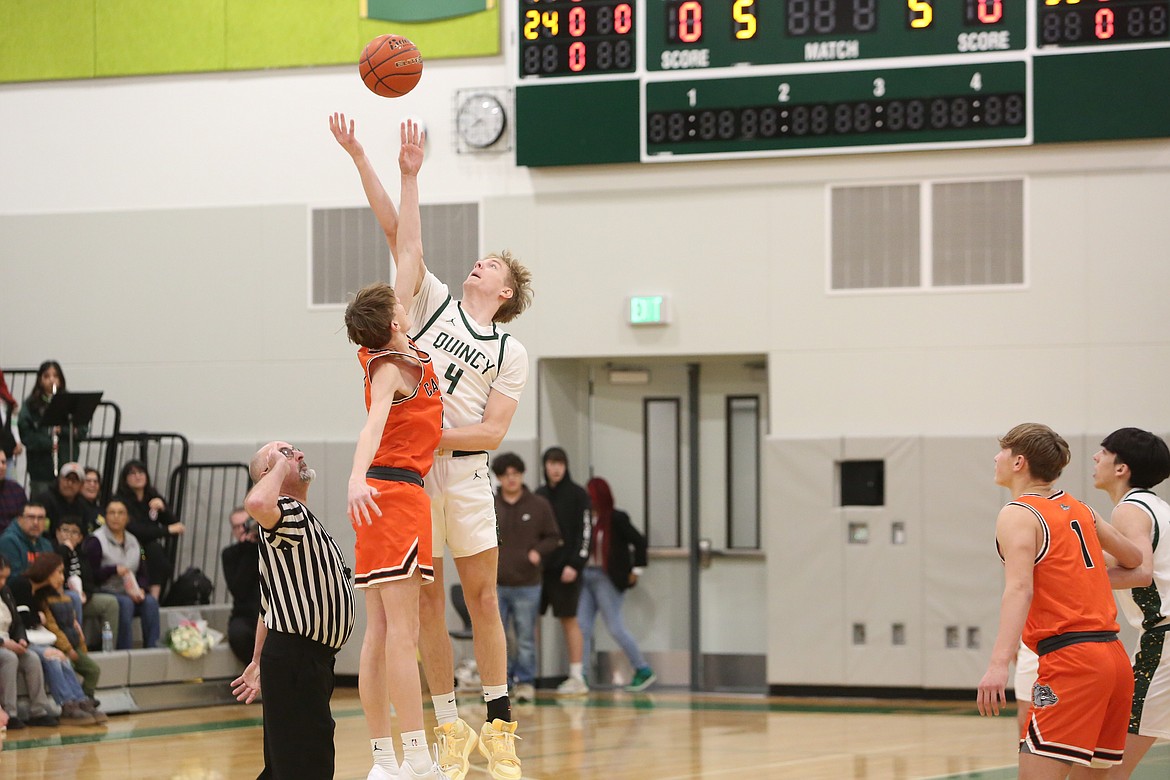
{"points": [[453, 374]]}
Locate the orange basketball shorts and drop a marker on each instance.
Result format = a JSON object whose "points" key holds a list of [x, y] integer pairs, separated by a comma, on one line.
{"points": [[1081, 705], [399, 541]]}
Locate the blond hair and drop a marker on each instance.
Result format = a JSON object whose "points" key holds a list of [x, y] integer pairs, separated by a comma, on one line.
{"points": [[520, 280], [369, 314], [1046, 450]]}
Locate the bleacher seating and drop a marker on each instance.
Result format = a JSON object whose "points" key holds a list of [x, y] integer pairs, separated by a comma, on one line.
{"points": [[142, 680], [201, 496], [159, 678]]}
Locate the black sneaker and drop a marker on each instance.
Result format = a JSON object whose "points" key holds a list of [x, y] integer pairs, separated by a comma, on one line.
{"points": [[15, 724], [42, 720]]}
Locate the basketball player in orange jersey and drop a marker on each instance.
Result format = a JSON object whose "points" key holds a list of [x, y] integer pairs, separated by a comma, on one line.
{"points": [[1057, 595], [482, 371], [388, 507]]}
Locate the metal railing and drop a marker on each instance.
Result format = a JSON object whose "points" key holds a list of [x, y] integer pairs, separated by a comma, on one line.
{"points": [[94, 449], [199, 495], [205, 495]]}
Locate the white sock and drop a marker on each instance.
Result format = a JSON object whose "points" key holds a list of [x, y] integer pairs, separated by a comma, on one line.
{"points": [[414, 751], [383, 750], [493, 692], [446, 711], [577, 671]]}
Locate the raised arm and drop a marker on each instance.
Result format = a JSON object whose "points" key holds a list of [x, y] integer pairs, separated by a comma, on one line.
{"points": [[379, 200], [409, 257], [261, 499]]}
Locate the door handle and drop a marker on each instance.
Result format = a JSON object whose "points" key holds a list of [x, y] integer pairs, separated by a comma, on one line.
{"points": [[705, 553]]}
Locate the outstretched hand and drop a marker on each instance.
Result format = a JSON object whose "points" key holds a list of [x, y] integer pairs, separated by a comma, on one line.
{"points": [[410, 157], [247, 686], [345, 135]]}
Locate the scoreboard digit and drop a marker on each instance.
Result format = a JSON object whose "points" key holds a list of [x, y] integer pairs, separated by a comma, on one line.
{"points": [[576, 37]]}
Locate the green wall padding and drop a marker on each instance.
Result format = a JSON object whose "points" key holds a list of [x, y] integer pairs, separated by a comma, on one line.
{"points": [[74, 39], [40, 40], [180, 36], [293, 33]]}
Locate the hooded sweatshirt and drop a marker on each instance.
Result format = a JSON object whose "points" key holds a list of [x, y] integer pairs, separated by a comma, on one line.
{"points": [[570, 504]]}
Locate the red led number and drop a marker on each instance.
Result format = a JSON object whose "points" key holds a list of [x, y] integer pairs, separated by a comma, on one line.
{"points": [[623, 18], [576, 21], [1103, 24], [990, 12], [577, 56], [690, 21]]}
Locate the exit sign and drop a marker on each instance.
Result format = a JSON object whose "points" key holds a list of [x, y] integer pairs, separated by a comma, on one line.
{"points": [[649, 310]]}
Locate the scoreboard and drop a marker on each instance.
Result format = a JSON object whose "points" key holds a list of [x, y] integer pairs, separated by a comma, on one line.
{"points": [[602, 81]]}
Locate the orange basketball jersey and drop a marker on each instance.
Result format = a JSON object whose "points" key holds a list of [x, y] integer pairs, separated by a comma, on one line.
{"points": [[415, 422], [1070, 586]]}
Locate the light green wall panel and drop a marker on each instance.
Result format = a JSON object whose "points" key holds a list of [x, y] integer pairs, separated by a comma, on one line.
{"points": [[179, 36], [40, 40], [292, 33], [63, 39]]}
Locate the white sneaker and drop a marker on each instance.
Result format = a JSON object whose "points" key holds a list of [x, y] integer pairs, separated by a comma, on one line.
{"points": [[433, 773], [379, 772], [525, 693], [573, 686]]}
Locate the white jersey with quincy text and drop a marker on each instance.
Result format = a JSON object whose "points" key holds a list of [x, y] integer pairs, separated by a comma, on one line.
{"points": [[470, 359], [1149, 607]]}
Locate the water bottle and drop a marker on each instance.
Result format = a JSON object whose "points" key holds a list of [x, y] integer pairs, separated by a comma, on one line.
{"points": [[107, 637]]}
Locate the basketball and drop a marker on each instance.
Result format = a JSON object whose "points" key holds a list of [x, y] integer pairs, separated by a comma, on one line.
{"points": [[390, 65]]}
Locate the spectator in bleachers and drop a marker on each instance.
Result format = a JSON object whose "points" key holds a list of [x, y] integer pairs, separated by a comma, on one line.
{"points": [[115, 557], [64, 499], [95, 607], [12, 495], [91, 489], [150, 521], [9, 444], [77, 709], [47, 577], [16, 658], [241, 571], [22, 539], [41, 440]]}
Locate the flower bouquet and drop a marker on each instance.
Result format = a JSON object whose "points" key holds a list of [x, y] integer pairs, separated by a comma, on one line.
{"points": [[190, 639]]}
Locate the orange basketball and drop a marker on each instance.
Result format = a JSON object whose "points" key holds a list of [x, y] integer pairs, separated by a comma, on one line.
{"points": [[390, 65]]}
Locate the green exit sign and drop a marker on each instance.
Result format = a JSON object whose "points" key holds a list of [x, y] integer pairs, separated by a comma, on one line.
{"points": [[649, 310]]}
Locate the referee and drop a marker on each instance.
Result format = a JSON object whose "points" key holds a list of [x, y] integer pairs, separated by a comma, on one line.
{"points": [[306, 615]]}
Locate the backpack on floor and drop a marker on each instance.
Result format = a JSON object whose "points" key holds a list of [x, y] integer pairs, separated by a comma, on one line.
{"points": [[189, 589]]}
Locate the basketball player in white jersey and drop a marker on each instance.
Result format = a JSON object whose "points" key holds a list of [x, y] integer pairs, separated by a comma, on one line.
{"points": [[481, 372], [1131, 462]]}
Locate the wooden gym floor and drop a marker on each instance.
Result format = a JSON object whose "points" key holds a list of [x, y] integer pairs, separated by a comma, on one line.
{"points": [[616, 736]]}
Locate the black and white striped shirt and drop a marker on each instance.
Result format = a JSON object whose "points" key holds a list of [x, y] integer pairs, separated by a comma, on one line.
{"points": [[304, 583]]}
